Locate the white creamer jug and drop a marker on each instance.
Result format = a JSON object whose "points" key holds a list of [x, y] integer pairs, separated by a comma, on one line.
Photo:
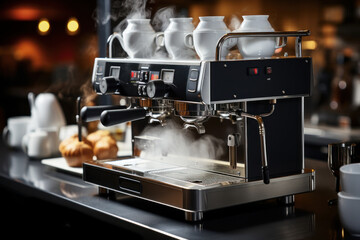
{"points": [[257, 47], [206, 36], [173, 38], [138, 38]]}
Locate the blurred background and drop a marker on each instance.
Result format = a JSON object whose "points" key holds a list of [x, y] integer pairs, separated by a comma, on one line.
{"points": [[50, 47]]}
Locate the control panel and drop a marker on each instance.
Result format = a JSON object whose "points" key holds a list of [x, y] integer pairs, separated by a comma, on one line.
{"points": [[142, 79], [206, 82]]}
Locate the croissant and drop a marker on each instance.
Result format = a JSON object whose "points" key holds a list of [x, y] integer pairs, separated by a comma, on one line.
{"points": [[106, 148], [76, 152]]}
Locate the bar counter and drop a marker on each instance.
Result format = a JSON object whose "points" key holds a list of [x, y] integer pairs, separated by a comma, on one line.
{"points": [[42, 201]]}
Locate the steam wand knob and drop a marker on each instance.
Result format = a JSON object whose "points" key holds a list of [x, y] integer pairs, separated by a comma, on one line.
{"points": [[157, 89], [109, 85]]}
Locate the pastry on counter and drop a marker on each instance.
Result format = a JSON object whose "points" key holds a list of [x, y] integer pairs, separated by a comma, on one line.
{"points": [[105, 148], [97, 135], [67, 141], [76, 152]]}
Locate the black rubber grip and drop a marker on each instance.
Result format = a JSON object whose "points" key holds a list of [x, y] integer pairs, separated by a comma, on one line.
{"points": [[112, 117], [266, 174], [89, 114]]}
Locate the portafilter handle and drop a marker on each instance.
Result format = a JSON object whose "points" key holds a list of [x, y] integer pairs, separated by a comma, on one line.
{"points": [[92, 113], [112, 117]]}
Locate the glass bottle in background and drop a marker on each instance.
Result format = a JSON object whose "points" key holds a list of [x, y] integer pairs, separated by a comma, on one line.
{"points": [[356, 95], [341, 99], [356, 86], [342, 93]]}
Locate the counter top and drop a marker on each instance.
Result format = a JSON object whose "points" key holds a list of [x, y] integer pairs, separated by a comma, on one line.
{"points": [[310, 218]]}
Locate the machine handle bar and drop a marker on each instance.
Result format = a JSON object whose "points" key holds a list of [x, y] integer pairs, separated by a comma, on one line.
{"points": [[92, 113], [298, 34], [112, 117]]}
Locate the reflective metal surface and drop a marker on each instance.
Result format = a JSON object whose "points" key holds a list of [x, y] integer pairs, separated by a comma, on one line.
{"points": [[309, 218]]}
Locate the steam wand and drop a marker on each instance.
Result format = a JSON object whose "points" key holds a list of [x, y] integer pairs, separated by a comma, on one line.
{"points": [[78, 119], [259, 119]]}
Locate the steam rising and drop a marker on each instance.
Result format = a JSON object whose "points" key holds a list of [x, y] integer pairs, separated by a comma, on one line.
{"points": [[234, 23], [162, 17], [173, 140]]}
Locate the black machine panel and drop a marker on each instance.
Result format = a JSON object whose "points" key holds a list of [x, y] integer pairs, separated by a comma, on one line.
{"points": [[283, 138], [209, 82], [257, 79]]}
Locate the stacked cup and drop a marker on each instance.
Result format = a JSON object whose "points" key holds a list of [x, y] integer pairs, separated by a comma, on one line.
{"points": [[349, 198]]}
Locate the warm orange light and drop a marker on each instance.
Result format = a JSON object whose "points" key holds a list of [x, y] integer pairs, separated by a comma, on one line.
{"points": [[27, 48], [23, 13], [278, 50], [72, 26], [43, 26], [309, 45]]}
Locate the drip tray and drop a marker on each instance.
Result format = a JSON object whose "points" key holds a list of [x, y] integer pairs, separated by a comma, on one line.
{"points": [[170, 173], [198, 177]]}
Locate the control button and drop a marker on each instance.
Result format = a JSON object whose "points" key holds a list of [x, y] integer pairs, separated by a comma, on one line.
{"points": [[191, 86], [115, 72], [145, 76], [253, 71], [154, 75], [194, 74], [134, 74], [99, 69], [268, 70]]}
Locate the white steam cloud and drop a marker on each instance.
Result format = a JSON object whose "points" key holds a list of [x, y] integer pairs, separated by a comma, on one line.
{"points": [[175, 141], [234, 23], [162, 17]]}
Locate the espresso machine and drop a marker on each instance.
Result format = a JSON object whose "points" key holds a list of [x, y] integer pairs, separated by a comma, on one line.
{"points": [[251, 110]]}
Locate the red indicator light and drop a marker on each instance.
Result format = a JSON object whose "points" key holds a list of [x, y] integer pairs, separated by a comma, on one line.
{"points": [[253, 71], [268, 70], [154, 76]]}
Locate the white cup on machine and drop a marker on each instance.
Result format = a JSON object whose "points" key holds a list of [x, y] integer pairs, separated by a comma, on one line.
{"points": [[206, 36], [138, 38], [173, 39], [257, 47], [16, 128]]}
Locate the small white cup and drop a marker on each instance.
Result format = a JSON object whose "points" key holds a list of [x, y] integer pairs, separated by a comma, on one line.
{"points": [[349, 212], [206, 36], [257, 47], [138, 38], [36, 144], [52, 140], [350, 179], [16, 128], [173, 38]]}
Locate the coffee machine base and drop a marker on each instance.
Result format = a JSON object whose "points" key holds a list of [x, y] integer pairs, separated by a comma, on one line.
{"points": [[191, 190]]}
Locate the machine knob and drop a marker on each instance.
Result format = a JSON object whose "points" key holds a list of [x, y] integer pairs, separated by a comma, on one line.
{"points": [[109, 85], [157, 89]]}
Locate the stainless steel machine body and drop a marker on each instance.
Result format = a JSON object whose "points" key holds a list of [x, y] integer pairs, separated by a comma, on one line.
{"points": [[227, 104]]}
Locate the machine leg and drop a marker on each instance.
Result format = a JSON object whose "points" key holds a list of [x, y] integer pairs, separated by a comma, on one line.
{"points": [[287, 200], [103, 191], [194, 216]]}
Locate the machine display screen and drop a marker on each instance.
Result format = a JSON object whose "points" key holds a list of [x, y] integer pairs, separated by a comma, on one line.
{"points": [[167, 75], [115, 71]]}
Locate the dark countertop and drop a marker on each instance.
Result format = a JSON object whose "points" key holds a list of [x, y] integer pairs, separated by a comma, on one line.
{"points": [[40, 197]]}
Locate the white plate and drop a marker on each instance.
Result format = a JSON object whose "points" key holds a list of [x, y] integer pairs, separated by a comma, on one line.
{"points": [[60, 163]]}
